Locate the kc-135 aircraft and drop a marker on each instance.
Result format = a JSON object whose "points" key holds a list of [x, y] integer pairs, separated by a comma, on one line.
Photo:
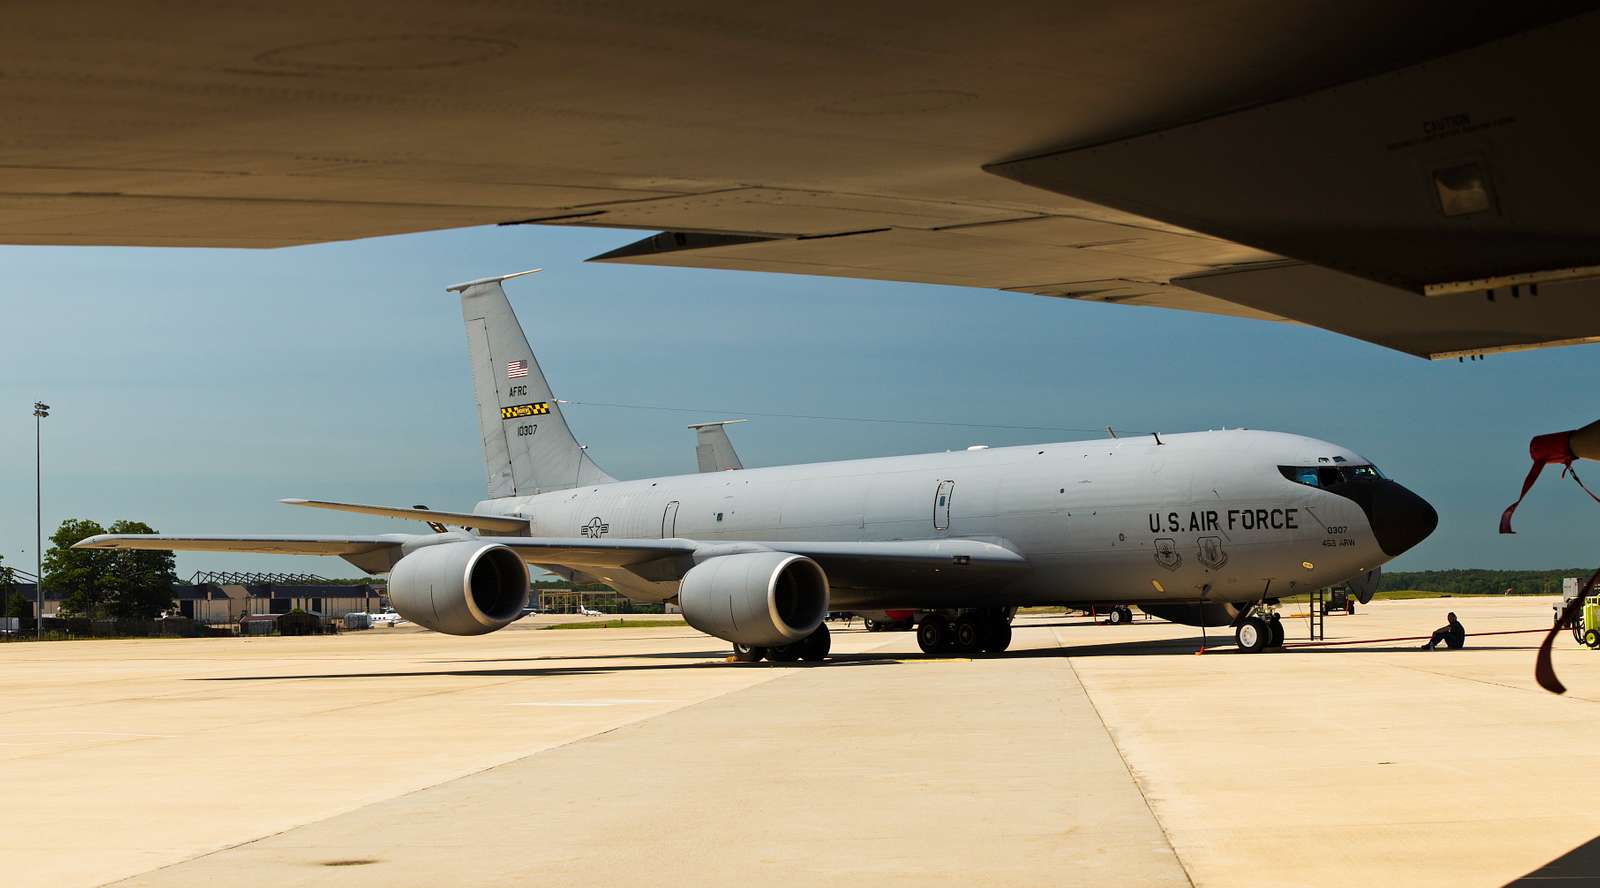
{"points": [[1205, 528]]}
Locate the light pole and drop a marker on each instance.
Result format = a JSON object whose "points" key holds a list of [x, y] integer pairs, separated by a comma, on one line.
{"points": [[40, 411]]}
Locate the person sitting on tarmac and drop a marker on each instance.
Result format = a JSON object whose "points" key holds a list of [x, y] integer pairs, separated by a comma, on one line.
{"points": [[1451, 633]]}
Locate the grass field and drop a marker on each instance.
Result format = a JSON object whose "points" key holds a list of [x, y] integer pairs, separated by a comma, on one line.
{"points": [[1406, 594]]}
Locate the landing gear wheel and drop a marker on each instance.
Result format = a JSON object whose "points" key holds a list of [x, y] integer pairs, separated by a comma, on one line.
{"points": [[966, 637], [1275, 627], [747, 653], [789, 653], [998, 637], [1591, 637], [816, 645], [872, 626], [932, 634], [1252, 635], [1116, 617]]}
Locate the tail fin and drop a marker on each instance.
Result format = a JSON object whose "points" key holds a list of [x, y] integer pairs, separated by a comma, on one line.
{"points": [[713, 451], [527, 447]]}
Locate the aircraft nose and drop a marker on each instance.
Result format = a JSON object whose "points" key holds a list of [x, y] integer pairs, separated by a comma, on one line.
{"points": [[1400, 519]]}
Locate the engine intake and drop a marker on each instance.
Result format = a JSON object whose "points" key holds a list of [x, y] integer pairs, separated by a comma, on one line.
{"points": [[463, 588], [765, 599]]}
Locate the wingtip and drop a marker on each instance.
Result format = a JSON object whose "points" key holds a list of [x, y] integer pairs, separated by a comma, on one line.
{"points": [[294, 501], [98, 541]]}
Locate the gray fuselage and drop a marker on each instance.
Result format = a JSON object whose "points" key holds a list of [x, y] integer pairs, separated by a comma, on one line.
{"points": [[1209, 516]]}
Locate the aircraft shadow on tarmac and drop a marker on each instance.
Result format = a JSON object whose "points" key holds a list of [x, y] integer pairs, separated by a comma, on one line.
{"points": [[671, 655], [530, 671], [1580, 866], [709, 659]]}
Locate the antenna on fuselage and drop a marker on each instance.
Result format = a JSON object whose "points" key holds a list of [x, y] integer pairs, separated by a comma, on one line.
{"points": [[1157, 436], [1110, 432]]}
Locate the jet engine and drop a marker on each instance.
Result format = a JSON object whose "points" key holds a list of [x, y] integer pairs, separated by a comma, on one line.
{"points": [[464, 588], [762, 599]]}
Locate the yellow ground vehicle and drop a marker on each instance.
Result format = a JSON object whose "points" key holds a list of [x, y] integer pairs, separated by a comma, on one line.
{"points": [[1586, 629]]}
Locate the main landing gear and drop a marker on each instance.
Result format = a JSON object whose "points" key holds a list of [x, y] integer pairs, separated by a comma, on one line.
{"points": [[965, 632], [1258, 629], [811, 649], [1121, 615]]}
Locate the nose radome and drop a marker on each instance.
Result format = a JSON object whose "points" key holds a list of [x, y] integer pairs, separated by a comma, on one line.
{"points": [[1400, 519]]}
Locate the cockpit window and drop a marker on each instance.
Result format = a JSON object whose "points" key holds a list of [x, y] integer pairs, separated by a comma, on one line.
{"points": [[1328, 476], [1302, 474]]}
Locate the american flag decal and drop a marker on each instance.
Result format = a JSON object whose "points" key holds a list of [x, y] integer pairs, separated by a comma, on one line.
{"points": [[516, 369]]}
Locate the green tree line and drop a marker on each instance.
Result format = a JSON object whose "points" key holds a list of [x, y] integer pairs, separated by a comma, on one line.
{"points": [[1481, 582], [12, 602], [102, 583]]}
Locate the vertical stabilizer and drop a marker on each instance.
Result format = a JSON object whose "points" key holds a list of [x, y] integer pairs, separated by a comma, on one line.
{"points": [[527, 447], [712, 450]]}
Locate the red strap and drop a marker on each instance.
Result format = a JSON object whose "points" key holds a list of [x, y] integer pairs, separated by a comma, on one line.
{"points": [[1544, 449], [1505, 517], [1544, 671], [1574, 472]]}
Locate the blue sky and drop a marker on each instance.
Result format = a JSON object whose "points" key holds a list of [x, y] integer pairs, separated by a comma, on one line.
{"points": [[193, 388]]}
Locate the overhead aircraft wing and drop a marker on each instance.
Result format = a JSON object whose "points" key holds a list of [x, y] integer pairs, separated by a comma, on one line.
{"points": [[1042, 148], [848, 564]]}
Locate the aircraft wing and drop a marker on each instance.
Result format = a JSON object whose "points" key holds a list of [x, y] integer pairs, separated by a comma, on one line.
{"points": [[1404, 163], [374, 553], [848, 564], [272, 544], [418, 513]]}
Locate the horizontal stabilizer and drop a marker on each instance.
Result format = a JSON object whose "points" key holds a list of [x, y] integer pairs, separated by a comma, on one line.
{"points": [[498, 523]]}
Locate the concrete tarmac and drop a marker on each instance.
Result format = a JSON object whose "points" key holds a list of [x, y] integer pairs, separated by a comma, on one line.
{"points": [[1089, 755]]}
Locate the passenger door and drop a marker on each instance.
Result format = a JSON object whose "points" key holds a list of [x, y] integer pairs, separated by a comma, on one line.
{"points": [[941, 505], [669, 521]]}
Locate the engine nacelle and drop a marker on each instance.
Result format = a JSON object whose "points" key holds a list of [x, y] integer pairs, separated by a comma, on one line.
{"points": [[464, 588], [764, 599]]}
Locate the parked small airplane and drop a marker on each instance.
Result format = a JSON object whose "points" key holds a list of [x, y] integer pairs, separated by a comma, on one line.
{"points": [[1206, 528]]}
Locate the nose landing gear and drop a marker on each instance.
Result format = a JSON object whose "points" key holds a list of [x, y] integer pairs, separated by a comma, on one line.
{"points": [[1258, 629]]}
